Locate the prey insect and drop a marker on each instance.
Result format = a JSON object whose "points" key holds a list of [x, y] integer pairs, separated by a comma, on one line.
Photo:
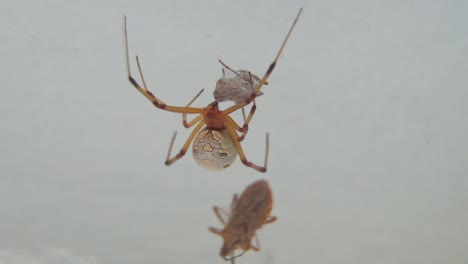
{"points": [[235, 86], [215, 136], [249, 212]]}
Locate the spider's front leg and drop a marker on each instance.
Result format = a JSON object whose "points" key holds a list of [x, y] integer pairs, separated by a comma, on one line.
{"points": [[256, 92], [144, 90], [273, 64]]}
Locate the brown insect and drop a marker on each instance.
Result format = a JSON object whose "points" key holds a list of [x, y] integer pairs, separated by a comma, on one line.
{"points": [[215, 136], [249, 212]]}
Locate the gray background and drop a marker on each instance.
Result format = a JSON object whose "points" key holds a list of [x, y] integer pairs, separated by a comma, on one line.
{"points": [[366, 111]]}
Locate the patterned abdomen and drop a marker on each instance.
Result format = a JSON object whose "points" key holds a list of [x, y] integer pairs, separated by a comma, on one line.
{"points": [[214, 149]]}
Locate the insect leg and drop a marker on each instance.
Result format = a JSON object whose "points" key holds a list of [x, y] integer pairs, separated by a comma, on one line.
{"points": [[270, 220], [215, 230], [255, 247], [218, 211]]}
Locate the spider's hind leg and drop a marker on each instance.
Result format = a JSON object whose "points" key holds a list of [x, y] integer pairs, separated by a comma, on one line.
{"points": [[242, 156]]}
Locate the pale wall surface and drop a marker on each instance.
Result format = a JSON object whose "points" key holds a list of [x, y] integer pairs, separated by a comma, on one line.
{"points": [[367, 112]]}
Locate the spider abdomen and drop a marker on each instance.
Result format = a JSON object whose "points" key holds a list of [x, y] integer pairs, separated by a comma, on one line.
{"points": [[214, 149]]}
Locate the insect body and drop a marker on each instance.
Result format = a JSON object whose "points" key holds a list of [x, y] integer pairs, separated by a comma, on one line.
{"points": [[216, 121], [249, 212], [234, 85]]}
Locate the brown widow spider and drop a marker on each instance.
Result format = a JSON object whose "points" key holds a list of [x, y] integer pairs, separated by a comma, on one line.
{"points": [[215, 146]]}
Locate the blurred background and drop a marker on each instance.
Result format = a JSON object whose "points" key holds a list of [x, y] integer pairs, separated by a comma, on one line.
{"points": [[366, 112]]}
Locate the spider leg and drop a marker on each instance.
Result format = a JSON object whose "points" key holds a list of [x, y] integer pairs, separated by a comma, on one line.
{"points": [[233, 123], [144, 90], [273, 64], [191, 123], [196, 119], [252, 110], [243, 114], [256, 92], [242, 157], [182, 152], [245, 128], [238, 75]]}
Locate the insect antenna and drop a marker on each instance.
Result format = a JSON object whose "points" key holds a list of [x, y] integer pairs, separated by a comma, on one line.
{"points": [[232, 256], [227, 67]]}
